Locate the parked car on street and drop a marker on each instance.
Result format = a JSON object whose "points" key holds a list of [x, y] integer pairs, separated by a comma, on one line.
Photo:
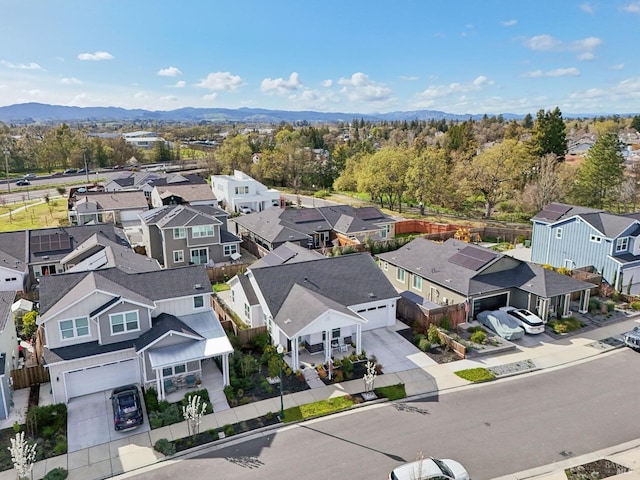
{"points": [[23, 183], [632, 338], [70, 171], [127, 408], [529, 321], [30, 176], [430, 468], [502, 323], [57, 174]]}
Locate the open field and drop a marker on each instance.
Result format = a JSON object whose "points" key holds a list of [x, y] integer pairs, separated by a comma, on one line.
{"points": [[36, 215]]}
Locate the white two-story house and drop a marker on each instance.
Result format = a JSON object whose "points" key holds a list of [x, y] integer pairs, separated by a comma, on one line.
{"points": [[240, 190]]}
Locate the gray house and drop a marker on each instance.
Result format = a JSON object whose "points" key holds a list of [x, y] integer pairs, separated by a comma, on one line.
{"points": [[180, 235], [455, 272], [574, 237], [9, 354], [107, 328]]}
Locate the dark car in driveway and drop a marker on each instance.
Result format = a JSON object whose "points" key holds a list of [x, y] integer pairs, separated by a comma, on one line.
{"points": [[127, 407]]}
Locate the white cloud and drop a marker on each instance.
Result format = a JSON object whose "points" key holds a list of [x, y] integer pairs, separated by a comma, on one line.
{"points": [[169, 72], [169, 98], [210, 96], [542, 43], [437, 91], [35, 93], [409, 78], [70, 81], [141, 96], [588, 43], [180, 84], [22, 66], [95, 56], [617, 66], [626, 92], [359, 88], [280, 86], [221, 81], [558, 72], [586, 56], [632, 7], [509, 23], [327, 83], [587, 8]]}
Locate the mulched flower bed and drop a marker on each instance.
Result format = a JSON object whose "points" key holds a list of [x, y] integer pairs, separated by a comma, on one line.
{"points": [[359, 369], [595, 470], [439, 354]]}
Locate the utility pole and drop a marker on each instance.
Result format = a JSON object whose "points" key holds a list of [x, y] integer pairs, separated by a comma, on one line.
{"points": [[6, 167]]}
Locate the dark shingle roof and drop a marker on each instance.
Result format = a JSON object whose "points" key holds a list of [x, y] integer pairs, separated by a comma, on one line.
{"points": [[252, 298], [346, 279], [161, 325], [156, 285], [6, 300], [81, 350], [14, 249]]}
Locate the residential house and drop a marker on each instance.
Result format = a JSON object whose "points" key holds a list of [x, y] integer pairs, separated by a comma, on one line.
{"points": [[240, 190], [14, 261], [145, 181], [9, 354], [48, 247], [121, 208], [455, 272], [319, 304], [320, 227], [572, 237], [107, 328], [286, 253], [145, 140], [181, 234], [180, 194]]}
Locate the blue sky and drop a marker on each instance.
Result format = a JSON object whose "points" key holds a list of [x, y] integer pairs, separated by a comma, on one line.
{"points": [[458, 56]]}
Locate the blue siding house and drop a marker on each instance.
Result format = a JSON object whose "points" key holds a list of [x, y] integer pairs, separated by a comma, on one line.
{"points": [[574, 237]]}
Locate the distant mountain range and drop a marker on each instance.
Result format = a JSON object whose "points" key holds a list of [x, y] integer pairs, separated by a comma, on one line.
{"points": [[27, 113]]}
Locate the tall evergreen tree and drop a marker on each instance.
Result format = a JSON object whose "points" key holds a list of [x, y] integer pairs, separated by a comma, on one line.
{"points": [[602, 172], [549, 134]]}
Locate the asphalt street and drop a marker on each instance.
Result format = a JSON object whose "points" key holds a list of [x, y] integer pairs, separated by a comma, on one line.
{"points": [[493, 429]]}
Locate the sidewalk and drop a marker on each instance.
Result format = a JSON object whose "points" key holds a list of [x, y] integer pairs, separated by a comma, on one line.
{"points": [[129, 454]]}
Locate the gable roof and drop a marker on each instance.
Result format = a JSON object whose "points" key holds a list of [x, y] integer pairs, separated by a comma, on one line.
{"points": [[347, 279], [162, 325], [114, 200], [81, 350], [172, 216], [286, 253], [143, 287], [433, 261], [606, 223], [14, 250], [6, 302], [188, 192], [347, 219]]}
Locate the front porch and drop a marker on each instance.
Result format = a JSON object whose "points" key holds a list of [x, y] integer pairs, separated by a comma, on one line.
{"points": [[211, 379], [308, 358]]}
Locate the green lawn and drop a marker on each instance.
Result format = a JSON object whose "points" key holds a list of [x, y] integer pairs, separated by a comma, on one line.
{"points": [[476, 374], [316, 409], [37, 216]]}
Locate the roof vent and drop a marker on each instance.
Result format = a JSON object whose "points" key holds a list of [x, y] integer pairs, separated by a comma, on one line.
{"points": [[372, 295], [288, 320], [197, 286]]}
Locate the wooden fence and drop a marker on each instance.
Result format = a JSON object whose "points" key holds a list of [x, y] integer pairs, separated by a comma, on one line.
{"points": [[443, 231], [25, 377], [245, 335], [224, 273]]}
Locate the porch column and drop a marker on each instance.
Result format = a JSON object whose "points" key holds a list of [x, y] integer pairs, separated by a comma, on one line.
{"points": [[529, 306], [295, 355], [566, 311], [358, 339], [225, 369], [160, 383], [327, 346], [544, 309], [584, 301]]}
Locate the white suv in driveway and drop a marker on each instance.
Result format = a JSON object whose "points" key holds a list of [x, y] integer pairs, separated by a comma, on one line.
{"points": [[530, 322], [245, 210]]}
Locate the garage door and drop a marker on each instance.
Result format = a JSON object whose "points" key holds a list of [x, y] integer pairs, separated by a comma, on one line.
{"points": [[103, 377], [490, 303]]}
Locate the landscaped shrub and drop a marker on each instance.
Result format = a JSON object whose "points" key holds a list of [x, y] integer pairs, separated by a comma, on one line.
{"points": [[432, 335], [40, 418], [445, 323], [165, 447], [424, 344], [155, 419], [260, 341], [151, 399], [635, 305], [563, 271], [58, 473], [476, 328], [347, 368], [228, 430], [594, 304], [204, 397], [478, 337]]}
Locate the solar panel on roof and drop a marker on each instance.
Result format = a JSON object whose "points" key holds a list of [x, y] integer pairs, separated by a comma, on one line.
{"points": [[50, 242], [304, 216], [368, 213], [472, 258]]}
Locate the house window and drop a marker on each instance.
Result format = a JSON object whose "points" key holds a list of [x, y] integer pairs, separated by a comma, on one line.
{"points": [[12, 279], [622, 244], [230, 249], [385, 266], [174, 370], [417, 282], [202, 231], [558, 233], [124, 322], [198, 302], [246, 310], [179, 232], [242, 190], [45, 270], [335, 333], [76, 327], [596, 238], [400, 274], [386, 229], [178, 256], [199, 256]]}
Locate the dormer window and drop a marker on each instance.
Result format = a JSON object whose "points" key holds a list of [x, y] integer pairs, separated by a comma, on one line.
{"points": [[596, 238], [622, 244]]}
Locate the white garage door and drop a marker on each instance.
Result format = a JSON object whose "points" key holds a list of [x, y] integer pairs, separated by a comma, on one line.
{"points": [[104, 377], [377, 317]]}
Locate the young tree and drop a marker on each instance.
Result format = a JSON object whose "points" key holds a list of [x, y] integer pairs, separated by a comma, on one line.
{"points": [[546, 187], [635, 123], [600, 174], [193, 412], [23, 456], [549, 134]]}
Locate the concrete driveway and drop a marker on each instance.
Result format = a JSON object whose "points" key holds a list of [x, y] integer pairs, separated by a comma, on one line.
{"points": [[90, 422], [392, 351]]}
